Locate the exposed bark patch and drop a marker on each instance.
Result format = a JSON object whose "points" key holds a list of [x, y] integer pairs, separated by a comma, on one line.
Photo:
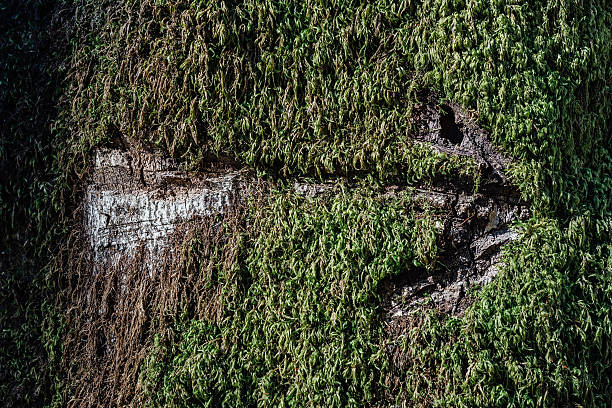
{"points": [[139, 199], [447, 128], [473, 227]]}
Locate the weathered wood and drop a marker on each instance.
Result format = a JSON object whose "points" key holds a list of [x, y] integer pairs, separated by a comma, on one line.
{"points": [[138, 199]]}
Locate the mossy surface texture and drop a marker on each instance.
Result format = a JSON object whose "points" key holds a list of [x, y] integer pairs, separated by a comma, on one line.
{"points": [[324, 90], [299, 325]]}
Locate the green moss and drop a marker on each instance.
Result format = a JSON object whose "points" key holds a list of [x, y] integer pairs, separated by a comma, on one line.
{"points": [[540, 335], [305, 330], [326, 89], [289, 87]]}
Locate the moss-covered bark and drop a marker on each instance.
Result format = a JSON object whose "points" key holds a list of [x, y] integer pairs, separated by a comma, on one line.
{"points": [[325, 90]]}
